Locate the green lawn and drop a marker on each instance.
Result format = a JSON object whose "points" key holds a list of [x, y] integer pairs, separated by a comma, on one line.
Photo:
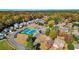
{"points": [[4, 45]]}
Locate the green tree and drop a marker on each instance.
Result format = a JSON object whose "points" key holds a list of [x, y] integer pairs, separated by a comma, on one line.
{"points": [[57, 19], [53, 34], [51, 23], [29, 43], [47, 32], [70, 46], [1, 26]]}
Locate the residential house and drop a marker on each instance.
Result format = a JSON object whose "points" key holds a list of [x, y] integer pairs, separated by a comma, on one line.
{"points": [[45, 41], [24, 23], [42, 29], [77, 46], [40, 21], [29, 22], [58, 43]]}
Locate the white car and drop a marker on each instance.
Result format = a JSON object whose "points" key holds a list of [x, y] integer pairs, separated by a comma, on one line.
{"points": [[21, 25], [16, 26], [1, 36], [6, 30]]}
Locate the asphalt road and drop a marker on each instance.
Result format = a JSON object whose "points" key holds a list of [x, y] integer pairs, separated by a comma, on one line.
{"points": [[12, 40]]}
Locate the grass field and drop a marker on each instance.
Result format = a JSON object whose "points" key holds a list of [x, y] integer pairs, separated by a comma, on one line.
{"points": [[4, 45]]}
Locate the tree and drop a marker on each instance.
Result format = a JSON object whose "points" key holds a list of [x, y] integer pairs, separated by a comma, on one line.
{"points": [[51, 23], [46, 19], [70, 46], [76, 38], [68, 38], [50, 18], [1, 26], [30, 41], [19, 19], [53, 34], [30, 18], [47, 32], [57, 19], [8, 22], [37, 46]]}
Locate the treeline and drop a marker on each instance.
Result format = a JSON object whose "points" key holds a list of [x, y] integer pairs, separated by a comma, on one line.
{"points": [[9, 18]]}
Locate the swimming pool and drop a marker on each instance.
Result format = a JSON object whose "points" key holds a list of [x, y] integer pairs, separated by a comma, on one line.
{"points": [[29, 31]]}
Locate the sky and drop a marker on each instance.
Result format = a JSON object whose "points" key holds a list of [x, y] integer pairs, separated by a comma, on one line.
{"points": [[39, 4]]}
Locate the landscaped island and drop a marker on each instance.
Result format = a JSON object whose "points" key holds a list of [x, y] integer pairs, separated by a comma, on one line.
{"points": [[39, 30]]}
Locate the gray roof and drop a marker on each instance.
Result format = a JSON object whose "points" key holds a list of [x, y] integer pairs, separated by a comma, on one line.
{"points": [[77, 46], [40, 20], [59, 42]]}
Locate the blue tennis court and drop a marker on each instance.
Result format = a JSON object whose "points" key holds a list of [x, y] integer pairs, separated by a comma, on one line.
{"points": [[29, 31]]}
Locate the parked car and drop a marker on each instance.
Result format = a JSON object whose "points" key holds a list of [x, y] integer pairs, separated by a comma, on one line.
{"points": [[1, 36], [6, 30], [11, 28], [24, 23], [16, 26], [21, 25]]}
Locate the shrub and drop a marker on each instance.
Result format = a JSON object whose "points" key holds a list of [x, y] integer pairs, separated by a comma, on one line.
{"points": [[70, 46]]}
